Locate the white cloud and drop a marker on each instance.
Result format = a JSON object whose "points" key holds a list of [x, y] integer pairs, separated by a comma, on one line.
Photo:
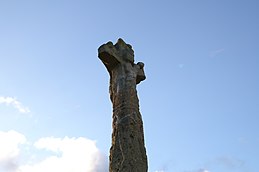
{"points": [[61, 154], [9, 149], [69, 154], [15, 103]]}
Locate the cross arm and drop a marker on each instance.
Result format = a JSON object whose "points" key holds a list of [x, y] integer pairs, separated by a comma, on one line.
{"points": [[107, 54]]}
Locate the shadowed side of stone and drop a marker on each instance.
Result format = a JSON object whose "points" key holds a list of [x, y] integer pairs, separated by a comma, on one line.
{"points": [[128, 151]]}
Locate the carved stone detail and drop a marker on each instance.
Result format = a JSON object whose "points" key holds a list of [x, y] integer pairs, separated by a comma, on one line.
{"points": [[127, 153]]}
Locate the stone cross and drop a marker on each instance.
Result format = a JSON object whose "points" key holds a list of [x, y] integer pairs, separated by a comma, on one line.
{"points": [[127, 153]]}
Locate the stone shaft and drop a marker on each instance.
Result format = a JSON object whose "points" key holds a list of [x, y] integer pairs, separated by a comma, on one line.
{"points": [[127, 153]]}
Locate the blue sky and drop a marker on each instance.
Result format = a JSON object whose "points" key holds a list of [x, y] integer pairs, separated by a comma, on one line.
{"points": [[200, 101]]}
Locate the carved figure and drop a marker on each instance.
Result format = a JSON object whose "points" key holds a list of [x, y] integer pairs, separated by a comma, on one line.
{"points": [[127, 153]]}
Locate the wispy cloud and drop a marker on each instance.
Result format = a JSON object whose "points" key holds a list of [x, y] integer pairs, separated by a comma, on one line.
{"points": [[199, 170], [230, 162], [181, 65], [14, 103], [225, 162], [203, 170], [216, 52], [63, 154]]}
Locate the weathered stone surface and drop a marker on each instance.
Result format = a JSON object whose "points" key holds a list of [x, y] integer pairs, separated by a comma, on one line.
{"points": [[127, 153]]}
